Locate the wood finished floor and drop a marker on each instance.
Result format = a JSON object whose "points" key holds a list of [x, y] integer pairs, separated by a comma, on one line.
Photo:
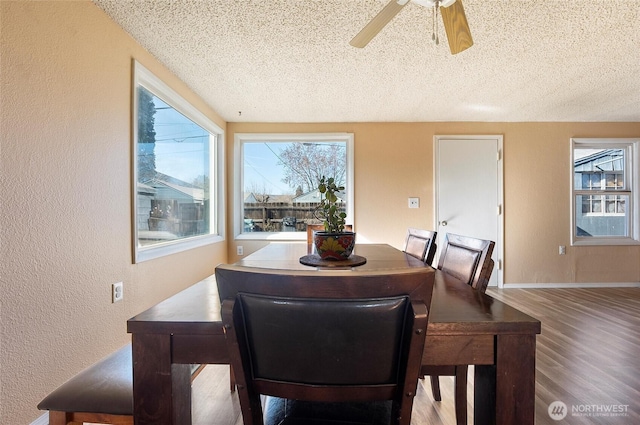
{"points": [[587, 355]]}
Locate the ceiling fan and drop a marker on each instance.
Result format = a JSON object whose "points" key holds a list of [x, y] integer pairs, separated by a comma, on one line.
{"points": [[453, 17]]}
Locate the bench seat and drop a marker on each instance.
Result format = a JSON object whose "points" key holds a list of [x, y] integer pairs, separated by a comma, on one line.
{"points": [[102, 393]]}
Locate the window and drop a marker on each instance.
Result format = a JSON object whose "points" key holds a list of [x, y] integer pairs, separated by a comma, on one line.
{"points": [[276, 176], [604, 177], [177, 171]]}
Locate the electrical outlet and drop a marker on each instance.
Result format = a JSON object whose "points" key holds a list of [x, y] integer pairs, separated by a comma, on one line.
{"points": [[240, 250], [414, 202], [562, 250], [116, 292]]}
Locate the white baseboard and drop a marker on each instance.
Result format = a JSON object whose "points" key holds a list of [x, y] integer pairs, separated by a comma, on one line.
{"points": [[42, 420], [570, 285]]}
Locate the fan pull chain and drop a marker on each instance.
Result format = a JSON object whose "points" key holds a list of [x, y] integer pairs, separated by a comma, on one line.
{"points": [[433, 24], [434, 36]]}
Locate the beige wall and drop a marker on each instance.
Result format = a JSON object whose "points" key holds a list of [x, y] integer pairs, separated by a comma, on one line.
{"points": [[65, 210], [66, 199], [396, 159]]}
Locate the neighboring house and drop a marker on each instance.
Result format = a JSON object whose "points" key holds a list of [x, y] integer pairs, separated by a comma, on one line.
{"points": [[168, 208], [175, 192], [145, 194], [252, 198], [313, 197], [280, 212]]}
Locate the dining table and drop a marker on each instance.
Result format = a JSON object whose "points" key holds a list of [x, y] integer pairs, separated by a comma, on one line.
{"points": [[465, 327]]}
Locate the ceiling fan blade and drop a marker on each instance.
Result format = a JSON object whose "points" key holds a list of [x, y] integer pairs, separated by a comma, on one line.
{"points": [[377, 23], [457, 27]]}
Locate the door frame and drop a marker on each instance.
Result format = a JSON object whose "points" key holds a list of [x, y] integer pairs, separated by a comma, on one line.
{"points": [[499, 247]]}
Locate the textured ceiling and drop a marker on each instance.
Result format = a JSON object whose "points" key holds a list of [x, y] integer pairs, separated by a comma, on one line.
{"points": [[290, 60]]}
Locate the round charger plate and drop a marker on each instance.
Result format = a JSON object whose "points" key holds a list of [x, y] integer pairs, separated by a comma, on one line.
{"points": [[315, 260]]}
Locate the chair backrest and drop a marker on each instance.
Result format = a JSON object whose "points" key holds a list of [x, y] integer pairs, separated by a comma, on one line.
{"points": [[339, 336], [421, 244], [468, 259]]}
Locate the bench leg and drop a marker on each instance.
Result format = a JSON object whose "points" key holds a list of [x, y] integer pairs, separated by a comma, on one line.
{"points": [[59, 418], [79, 418]]}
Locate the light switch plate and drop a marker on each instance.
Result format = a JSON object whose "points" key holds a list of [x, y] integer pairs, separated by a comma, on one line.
{"points": [[414, 202]]}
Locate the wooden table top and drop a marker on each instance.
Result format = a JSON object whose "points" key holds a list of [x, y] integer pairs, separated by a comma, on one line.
{"points": [[286, 256], [456, 309]]}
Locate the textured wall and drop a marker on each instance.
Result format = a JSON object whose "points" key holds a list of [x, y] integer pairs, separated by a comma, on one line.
{"points": [[66, 190], [396, 159], [65, 210]]}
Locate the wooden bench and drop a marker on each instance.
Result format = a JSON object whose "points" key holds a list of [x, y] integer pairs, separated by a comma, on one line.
{"points": [[102, 393]]}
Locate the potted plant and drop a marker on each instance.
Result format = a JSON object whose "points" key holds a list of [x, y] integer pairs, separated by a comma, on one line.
{"points": [[334, 243]]}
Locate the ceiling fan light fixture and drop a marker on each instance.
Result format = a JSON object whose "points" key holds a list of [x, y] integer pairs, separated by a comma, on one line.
{"points": [[432, 3]]}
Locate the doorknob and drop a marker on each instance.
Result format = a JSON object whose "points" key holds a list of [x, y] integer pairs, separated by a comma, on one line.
{"points": [[443, 223]]}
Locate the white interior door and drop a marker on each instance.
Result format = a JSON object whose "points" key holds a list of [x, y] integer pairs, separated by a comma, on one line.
{"points": [[468, 179]]}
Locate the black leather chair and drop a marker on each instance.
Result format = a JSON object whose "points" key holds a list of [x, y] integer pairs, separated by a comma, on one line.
{"points": [[421, 244], [330, 347], [467, 259]]}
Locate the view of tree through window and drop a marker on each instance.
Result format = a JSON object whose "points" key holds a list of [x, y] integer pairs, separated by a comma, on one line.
{"points": [[280, 181], [173, 173]]}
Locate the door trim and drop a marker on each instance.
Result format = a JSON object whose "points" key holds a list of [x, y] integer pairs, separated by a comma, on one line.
{"points": [[499, 247]]}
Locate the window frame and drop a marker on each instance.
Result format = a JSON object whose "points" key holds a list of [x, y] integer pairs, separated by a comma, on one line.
{"points": [[145, 78], [238, 182], [632, 182]]}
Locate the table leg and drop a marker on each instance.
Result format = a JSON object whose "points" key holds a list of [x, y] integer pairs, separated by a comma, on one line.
{"points": [[161, 391], [504, 393], [484, 395], [515, 379]]}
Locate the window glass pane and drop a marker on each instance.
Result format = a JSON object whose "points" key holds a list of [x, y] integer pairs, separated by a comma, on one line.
{"points": [[610, 204], [591, 181], [280, 180], [586, 180], [596, 222], [615, 181], [174, 172], [586, 204], [621, 205], [596, 204]]}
